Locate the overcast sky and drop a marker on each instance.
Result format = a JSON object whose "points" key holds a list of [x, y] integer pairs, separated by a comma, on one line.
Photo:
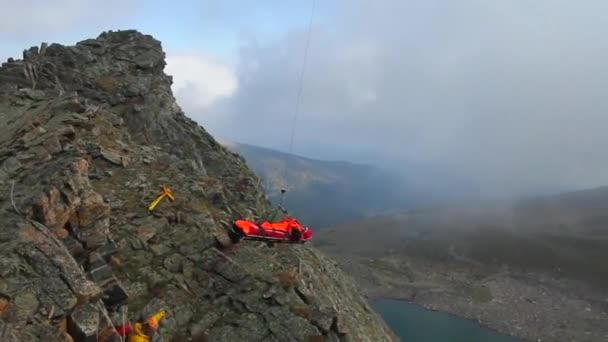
{"points": [[510, 93]]}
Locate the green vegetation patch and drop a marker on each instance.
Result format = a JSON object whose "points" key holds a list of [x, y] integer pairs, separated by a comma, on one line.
{"points": [[480, 294], [391, 267], [107, 83]]}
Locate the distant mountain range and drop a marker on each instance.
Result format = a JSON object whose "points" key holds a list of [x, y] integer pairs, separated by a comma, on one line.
{"points": [[324, 193]]}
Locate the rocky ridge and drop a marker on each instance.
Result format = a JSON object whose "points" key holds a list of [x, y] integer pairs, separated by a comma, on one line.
{"points": [[89, 134]]}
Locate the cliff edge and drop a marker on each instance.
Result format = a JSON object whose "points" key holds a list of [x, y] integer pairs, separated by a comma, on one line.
{"points": [[89, 134]]}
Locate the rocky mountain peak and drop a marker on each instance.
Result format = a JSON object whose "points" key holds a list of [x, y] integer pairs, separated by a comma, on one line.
{"points": [[89, 135]]}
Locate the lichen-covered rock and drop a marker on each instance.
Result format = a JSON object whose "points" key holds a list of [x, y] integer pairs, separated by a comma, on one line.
{"points": [[90, 133], [84, 323]]}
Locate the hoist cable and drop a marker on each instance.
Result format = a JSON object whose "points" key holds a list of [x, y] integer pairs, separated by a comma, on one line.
{"points": [[299, 95]]}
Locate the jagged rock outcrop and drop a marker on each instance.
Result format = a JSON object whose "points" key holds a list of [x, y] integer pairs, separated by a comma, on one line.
{"points": [[89, 133]]}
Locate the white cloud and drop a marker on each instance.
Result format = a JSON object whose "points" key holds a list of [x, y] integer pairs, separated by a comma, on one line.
{"points": [[199, 80], [508, 94], [33, 17]]}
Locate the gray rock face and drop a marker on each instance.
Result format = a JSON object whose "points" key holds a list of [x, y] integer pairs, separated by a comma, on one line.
{"points": [[84, 323], [90, 133]]}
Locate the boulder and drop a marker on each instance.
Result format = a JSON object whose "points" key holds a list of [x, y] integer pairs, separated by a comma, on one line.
{"points": [[173, 263], [84, 323], [115, 294]]}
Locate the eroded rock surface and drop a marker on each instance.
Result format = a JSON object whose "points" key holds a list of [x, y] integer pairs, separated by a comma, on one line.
{"points": [[89, 134]]}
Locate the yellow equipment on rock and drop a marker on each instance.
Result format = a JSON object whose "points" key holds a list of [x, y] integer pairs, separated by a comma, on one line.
{"points": [[165, 192], [145, 332]]}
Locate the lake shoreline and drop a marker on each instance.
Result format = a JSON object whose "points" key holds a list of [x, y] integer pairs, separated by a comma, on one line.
{"points": [[455, 315], [530, 307], [414, 318]]}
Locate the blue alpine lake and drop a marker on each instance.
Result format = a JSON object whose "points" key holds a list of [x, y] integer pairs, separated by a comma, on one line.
{"points": [[414, 323]]}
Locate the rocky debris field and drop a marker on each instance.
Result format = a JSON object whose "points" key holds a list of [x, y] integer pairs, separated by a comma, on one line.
{"points": [[532, 307], [89, 134]]}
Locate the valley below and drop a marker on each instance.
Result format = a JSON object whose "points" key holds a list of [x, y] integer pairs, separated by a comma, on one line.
{"points": [[532, 268], [531, 307], [536, 271]]}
